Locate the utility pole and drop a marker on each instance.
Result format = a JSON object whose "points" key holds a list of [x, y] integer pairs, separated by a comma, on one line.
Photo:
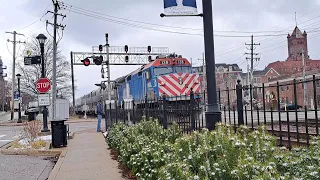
{"points": [[252, 57], [304, 80], [203, 83], [13, 68], [54, 61]]}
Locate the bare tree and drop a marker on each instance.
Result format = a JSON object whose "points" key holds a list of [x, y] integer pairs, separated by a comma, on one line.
{"points": [[30, 74]]}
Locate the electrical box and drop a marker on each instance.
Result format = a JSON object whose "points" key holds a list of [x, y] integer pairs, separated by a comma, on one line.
{"points": [[62, 109]]}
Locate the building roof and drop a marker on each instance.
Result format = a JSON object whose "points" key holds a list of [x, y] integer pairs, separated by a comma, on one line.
{"points": [[235, 67], [259, 72], [297, 33]]}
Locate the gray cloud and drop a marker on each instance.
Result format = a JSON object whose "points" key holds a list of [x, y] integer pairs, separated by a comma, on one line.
{"points": [[83, 32]]}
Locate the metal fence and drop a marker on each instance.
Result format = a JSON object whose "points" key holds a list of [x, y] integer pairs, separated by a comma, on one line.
{"points": [[288, 109], [186, 111]]}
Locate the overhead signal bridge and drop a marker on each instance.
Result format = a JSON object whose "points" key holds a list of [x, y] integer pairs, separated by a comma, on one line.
{"points": [[119, 55]]}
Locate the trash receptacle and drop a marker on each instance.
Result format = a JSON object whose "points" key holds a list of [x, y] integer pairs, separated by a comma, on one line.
{"points": [[59, 133], [31, 116]]}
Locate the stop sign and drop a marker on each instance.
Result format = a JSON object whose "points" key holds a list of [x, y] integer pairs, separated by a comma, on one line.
{"points": [[43, 85]]}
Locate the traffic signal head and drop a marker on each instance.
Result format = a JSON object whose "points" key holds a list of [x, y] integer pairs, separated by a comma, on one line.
{"points": [[127, 59], [149, 58], [100, 48], [98, 60], [86, 61], [126, 48], [149, 49]]}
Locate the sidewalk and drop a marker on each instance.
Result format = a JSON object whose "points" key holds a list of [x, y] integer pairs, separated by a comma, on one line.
{"points": [[87, 157]]}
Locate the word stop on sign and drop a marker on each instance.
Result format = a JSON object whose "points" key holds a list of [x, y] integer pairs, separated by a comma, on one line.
{"points": [[43, 85]]}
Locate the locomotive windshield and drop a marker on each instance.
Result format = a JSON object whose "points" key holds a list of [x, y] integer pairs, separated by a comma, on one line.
{"points": [[182, 69], [162, 70]]}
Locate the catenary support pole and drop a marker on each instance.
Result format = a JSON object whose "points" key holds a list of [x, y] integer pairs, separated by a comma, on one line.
{"points": [[213, 114]]}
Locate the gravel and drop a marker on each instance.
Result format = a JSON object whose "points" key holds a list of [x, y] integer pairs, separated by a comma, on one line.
{"points": [[301, 129]]}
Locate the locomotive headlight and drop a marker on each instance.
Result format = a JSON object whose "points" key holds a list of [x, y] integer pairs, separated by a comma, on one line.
{"points": [[196, 82], [162, 83]]}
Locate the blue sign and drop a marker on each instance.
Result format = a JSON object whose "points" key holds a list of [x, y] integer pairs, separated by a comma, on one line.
{"points": [[180, 7], [16, 95]]}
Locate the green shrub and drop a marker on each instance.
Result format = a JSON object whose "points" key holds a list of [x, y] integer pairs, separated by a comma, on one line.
{"points": [[152, 152]]}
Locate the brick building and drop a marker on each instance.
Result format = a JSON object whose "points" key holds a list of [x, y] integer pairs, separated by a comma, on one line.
{"points": [[226, 78], [297, 43], [285, 72]]}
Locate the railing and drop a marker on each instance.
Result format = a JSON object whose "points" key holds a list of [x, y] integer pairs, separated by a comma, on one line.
{"points": [[287, 110]]}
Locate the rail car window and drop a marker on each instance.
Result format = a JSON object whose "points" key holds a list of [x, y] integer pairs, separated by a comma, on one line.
{"points": [[182, 69], [162, 70]]}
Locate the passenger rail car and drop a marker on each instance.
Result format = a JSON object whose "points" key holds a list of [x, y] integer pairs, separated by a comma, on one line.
{"points": [[169, 76], [90, 100]]}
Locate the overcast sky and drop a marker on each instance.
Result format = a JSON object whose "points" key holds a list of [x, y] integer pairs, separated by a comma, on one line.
{"points": [[262, 17]]}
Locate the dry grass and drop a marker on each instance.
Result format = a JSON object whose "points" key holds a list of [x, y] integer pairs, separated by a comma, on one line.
{"points": [[38, 144]]}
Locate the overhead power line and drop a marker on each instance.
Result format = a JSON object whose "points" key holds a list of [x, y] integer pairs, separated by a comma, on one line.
{"points": [[68, 6], [157, 29]]}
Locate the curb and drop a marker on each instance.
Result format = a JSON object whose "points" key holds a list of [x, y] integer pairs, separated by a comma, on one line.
{"points": [[68, 121], [58, 165], [11, 124], [31, 152], [75, 121]]}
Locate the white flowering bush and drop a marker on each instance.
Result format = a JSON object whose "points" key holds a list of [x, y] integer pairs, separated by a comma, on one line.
{"points": [[152, 152]]}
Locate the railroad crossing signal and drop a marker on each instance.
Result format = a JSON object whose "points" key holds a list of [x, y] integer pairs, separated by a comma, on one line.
{"points": [[98, 60], [86, 62], [43, 85]]}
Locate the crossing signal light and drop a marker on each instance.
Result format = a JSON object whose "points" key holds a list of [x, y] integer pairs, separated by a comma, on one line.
{"points": [[98, 60], [100, 48], [127, 59], [126, 48], [149, 49], [103, 86], [86, 61]]}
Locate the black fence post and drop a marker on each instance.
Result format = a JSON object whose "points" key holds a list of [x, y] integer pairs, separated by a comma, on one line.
{"points": [[145, 106], [240, 103], [116, 112], [110, 118], [164, 122], [105, 117], [133, 113], [193, 122]]}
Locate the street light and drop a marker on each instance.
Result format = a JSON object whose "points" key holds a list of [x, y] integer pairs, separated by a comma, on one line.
{"points": [[42, 39], [19, 116]]}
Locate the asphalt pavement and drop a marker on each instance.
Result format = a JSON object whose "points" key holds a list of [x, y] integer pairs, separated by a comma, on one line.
{"points": [[9, 134], [24, 167]]}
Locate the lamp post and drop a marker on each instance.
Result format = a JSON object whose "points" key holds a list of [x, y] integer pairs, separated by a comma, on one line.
{"points": [[42, 39], [213, 114], [19, 115]]}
